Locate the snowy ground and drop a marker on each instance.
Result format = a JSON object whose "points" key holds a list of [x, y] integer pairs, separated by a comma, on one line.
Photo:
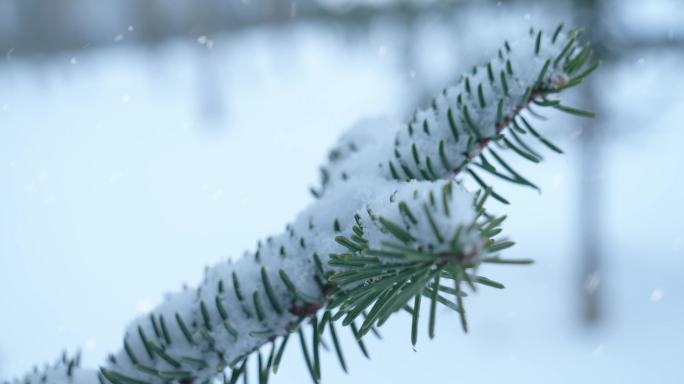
{"points": [[124, 172]]}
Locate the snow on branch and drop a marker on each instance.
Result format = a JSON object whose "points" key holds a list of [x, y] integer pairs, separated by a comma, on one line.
{"points": [[391, 227], [485, 105]]}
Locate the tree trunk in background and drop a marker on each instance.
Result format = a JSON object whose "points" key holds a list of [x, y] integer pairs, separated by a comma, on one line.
{"points": [[589, 195]]}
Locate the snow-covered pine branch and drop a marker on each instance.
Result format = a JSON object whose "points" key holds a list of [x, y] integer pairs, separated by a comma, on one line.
{"points": [[390, 227], [452, 134]]}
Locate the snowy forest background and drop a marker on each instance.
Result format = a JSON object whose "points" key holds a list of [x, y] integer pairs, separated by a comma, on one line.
{"points": [[142, 141]]}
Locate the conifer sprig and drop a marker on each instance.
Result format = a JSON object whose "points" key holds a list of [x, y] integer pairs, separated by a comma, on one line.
{"points": [[392, 229], [453, 136], [384, 279]]}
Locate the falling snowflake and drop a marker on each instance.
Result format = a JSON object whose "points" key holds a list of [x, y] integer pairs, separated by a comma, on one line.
{"points": [[217, 194], [657, 295]]}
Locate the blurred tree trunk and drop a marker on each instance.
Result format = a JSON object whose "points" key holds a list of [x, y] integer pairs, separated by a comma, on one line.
{"points": [[588, 16]]}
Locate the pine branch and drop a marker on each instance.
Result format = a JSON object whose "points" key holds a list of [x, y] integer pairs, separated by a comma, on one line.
{"points": [[391, 228], [454, 134]]}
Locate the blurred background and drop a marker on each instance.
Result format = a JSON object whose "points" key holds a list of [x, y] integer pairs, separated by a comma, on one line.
{"points": [[141, 141]]}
